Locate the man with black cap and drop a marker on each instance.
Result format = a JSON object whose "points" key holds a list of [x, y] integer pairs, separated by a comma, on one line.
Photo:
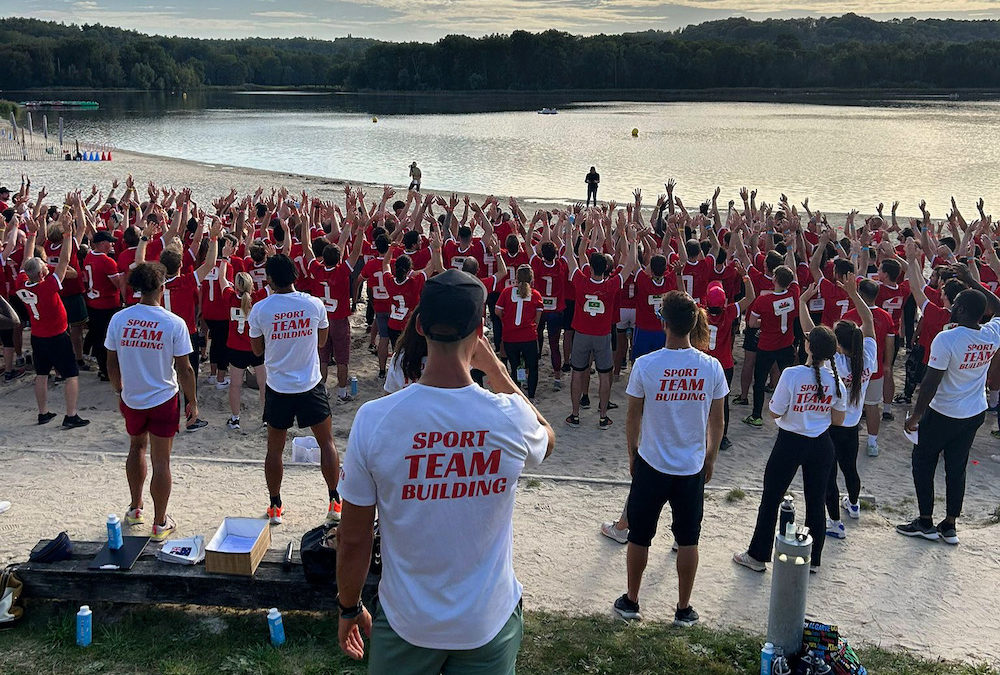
{"points": [[440, 460], [4, 198], [104, 288]]}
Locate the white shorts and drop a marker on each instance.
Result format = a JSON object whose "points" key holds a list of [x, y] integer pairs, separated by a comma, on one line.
{"points": [[626, 318], [873, 395]]}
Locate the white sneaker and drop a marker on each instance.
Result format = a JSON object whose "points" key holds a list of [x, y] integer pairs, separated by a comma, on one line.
{"points": [[853, 510], [222, 385], [161, 532], [872, 448], [611, 532], [836, 529], [134, 517], [233, 423]]}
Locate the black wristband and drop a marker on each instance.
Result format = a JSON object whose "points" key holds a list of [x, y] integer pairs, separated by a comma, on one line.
{"points": [[350, 612]]}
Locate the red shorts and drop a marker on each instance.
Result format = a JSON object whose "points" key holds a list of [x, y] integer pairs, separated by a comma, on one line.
{"points": [[338, 342], [163, 420]]}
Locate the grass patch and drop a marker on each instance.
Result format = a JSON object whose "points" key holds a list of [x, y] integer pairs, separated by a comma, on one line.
{"points": [[735, 495], [533, 483], [187, 642], [995, 515], [6, 108], [866, 505]]}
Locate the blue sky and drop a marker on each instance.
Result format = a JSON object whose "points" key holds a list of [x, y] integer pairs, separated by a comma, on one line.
{"points": [[428, 20]]}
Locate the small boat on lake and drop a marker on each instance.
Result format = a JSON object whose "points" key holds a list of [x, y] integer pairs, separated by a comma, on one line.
{"points": [[548, 111], [89, 105]]}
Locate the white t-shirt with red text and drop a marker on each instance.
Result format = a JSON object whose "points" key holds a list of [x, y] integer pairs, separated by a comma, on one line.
{"points": [[442, 467], [147, 339], [289, 323], [964, 354], [802, 411]]}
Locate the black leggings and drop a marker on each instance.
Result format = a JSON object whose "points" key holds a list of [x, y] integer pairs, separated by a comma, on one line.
{"points": [[845, 445], [218, 332], [552, 322], [953, 437], [98, 320], [791, 450], [529, 350], [729, 380], [762, 369]]}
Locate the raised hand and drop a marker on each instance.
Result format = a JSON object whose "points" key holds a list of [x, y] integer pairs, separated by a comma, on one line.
{"points": [[670, 185]]}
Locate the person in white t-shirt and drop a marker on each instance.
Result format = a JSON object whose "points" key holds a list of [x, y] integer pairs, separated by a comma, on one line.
{"points": [[440, 460], [287, 328], [807, 400], [148, 349], [408, 362], [951, 405], [676, 398]]}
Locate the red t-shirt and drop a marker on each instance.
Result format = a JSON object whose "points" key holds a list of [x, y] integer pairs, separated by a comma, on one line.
{"points": [[45, 308], [180, 296], [375, 277], [884, 327], [836, 302], [697, 275], [550, 282], [988, 278], [777, 312], [934, 321], [720, 334], [518, 318], [420, 258], [403, 297], [239, 333], [731, 281], [649, 298], [594, 312], [513, 262], [102, 293], [256, 271], [213, 305], [333, 287], [70, 287], [454, 256], [761, 282], [891, 299]]}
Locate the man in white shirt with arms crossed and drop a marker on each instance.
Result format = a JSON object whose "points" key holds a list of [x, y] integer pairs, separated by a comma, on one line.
{"points": [[440, 459]]}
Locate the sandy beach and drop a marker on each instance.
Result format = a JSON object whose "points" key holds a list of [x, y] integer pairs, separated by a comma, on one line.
{"points": [[879, 587]]}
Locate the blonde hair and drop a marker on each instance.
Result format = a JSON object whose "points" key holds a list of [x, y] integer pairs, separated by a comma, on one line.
{"points": [[244, 287], [524, 276], [700, 334]]}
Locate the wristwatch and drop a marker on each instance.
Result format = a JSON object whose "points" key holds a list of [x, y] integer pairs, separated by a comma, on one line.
{"points": [[143, 238], [350, 612]]}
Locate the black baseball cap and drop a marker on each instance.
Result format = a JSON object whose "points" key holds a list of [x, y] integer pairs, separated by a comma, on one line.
{"points": [[103, 235], [3, 189], [451, 306]]}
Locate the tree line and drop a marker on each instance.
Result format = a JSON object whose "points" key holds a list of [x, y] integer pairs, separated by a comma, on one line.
{"points": [[840, 52]]}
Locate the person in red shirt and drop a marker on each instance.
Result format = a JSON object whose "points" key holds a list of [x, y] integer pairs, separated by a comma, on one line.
{"points": [[38, 289], [699, 269], [215, 310], [892, 294], [239, 295], [520, 308], [550, 275], [651, 285], [104, 289], [254, 265], [774, 313], [836, 303], [885, 337], [375, 275], [403, 287], [455, 252], [722, 316], [72, 293]]}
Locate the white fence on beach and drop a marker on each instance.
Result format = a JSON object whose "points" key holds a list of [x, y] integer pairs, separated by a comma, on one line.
{"points": [[23, 143]]}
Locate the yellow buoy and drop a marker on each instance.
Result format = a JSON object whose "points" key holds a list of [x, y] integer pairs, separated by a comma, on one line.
{"points": [[635, 133], [374, 120], [184, 96]]}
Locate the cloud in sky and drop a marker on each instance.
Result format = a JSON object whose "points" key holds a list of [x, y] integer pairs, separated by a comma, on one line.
{"points": [[429, 20]]}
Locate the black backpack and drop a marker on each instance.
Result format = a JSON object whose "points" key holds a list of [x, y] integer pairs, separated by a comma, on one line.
{"points": [[318, 551]]}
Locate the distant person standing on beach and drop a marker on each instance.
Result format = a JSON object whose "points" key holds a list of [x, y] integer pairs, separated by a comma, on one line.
{"points": [[592, 180], [414, 177]]}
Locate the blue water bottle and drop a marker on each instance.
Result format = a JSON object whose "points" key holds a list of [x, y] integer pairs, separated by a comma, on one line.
{"points": [[84, 619], [115, 541], [275, 627], [354, 385], [766, 657]]}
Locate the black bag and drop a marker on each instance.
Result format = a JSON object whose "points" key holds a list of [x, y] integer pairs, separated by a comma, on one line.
{"points": [[57, 550], [318, 551]]}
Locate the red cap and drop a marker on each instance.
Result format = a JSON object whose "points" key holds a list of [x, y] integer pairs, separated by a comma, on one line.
{"points": [[715, 295]]}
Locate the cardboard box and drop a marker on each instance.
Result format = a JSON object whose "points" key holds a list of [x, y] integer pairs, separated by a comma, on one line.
{"points": [[305, 450], [238, 546]]}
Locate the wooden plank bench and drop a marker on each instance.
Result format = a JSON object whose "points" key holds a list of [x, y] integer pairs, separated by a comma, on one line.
{"points": [[151, 581]]}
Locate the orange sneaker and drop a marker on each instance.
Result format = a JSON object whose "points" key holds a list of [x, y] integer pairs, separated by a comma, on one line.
{"points": [[274, 514], [333, 511]]}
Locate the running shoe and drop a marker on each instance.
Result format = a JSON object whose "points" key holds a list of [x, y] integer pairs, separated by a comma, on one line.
{"points": [[82, 366], [161, 532], [103, 377], [604, 423], [836, 529], [334, 510], [814, 569], [611, 532], [45, 418], [902, 399], [566, 368], [752, 421], [224, 384], [887, 416], [572, 420], [947, 532], [74, 422], [557, 385], [686, 617], [346, 398], [585, 401], [12, 375], [381, 375], [627, 609], [726, 444], [872, 447], [194, 426], [853, 510], [134, 517], [372, 349], [612, 405], [915, 528], [233, 423], [750, 563], [274, 514], [19, 362]]}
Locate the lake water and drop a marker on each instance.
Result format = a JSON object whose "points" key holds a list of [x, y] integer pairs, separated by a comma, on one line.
{"points": [[842, 156]]}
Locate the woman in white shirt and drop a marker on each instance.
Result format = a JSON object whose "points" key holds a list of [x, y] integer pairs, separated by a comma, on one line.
{"points": [[856, 360], [807, 400]]}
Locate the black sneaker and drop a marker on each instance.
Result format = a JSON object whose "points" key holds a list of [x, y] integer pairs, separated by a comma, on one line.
{"points": [[103, 377], [725, 444], [46, 417], [686, 617], [74, 422], [902, 399], [917, 529], [573, 420], [566, 368], [612, 405], [82, 366], [11, 375], [604, 423], [585, 401], [741, 400], [381, 375], [627, 609], [197, 424], [888, 416], [947, 532]]}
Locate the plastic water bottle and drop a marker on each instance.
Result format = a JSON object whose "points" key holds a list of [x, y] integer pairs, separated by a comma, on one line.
{"points": [[786, 514], [275, 627], [115, 541], [354, 385], [84, 626], [766, 658]]}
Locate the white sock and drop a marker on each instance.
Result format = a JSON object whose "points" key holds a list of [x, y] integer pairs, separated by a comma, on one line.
{"points": [[873, 438], [993, 397], [342, 391]]}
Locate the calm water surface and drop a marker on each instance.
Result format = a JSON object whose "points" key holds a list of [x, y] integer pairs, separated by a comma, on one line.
{"points": [[842, 156]]}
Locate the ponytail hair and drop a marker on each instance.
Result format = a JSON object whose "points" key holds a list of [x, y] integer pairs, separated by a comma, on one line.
{"points": [[852, 341], [243, 283], [701, 333], [411, 348], [823, 347], [524, 277], [402, 268]]}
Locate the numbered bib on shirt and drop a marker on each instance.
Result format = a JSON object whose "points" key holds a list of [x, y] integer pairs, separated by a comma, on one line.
{"points": [[457, 261], [236, 314], [31, 300], [549, 304], [783, 308], [593, 305], [397, 311], [656, 302]]}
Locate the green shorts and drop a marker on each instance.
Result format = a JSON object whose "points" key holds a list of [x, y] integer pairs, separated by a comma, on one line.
{"points": [[76, 309], [392, 655]]}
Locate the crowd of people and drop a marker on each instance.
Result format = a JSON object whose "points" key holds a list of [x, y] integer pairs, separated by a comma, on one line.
{"points": [[154, 289]]}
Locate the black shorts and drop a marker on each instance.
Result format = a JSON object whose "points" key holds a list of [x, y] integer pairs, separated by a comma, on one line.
{"points": [[568, 314], [76, 309], [241, 359], [650, 491], [750, 337], [18, 305], [308, 408], [54, 352], [7, 340]]}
